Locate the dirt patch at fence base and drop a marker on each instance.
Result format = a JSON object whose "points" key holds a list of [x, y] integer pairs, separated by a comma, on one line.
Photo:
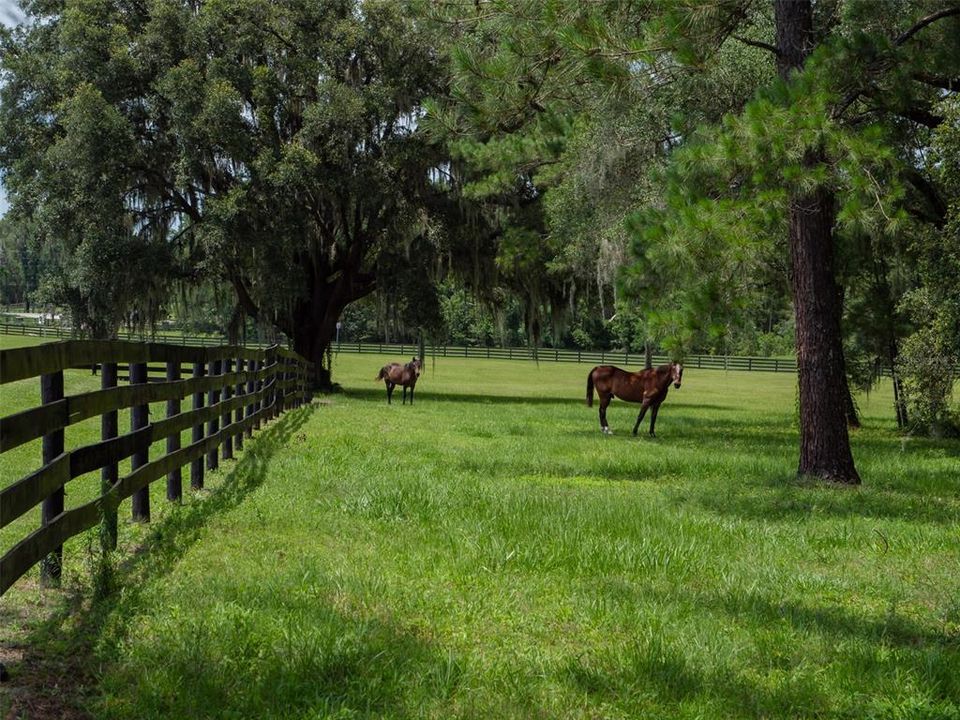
{"points": [[39, 686]]}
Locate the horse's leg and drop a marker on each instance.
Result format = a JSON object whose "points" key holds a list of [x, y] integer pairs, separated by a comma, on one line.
{"points": [[404, 394], [643, 411], [653, 418], [604, 402], [390, 387]]}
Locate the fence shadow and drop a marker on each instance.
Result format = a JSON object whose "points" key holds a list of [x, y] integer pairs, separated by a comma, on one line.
{"points": [[58, 670]]}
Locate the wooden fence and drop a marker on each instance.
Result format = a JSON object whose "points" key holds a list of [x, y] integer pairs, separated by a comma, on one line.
{"points": [[234, 390]]}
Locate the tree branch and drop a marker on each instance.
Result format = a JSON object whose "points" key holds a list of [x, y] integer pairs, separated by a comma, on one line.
{"points": [[919, 116], [945, 83], [937, 207], [923, 22], [243, 297], [757, 44]]}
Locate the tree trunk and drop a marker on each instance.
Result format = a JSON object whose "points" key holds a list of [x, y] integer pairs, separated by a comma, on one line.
{"points": [[315, 318], [824, 440]]}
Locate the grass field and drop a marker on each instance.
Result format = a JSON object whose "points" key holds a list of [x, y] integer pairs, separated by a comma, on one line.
{"points": [[487, 553]]}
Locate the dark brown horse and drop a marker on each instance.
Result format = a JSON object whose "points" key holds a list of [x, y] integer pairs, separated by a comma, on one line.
{"points": [[648, 387], [395, 374]]}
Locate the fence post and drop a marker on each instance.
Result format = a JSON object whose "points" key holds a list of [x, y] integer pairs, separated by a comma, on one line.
{"points": [[239, 414], [271, 397], [225, 417], [213, 426], [51, 390], [776, 365], [258, 388], [109, 474], [196, 467], [275, 398], [139, 417], [251, 389], [174, 477]]}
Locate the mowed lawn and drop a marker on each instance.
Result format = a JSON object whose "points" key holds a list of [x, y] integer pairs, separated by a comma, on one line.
{"points": [[487, 553]]}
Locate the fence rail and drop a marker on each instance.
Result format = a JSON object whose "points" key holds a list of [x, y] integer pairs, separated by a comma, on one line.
{"points": [[234, 391]]}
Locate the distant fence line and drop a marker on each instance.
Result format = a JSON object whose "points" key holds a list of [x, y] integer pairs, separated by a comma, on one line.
{"points": [[234, 390], [601, 357], [173, 336]]}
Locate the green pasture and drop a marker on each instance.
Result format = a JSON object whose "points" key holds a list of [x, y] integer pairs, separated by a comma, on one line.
{"points": [[487, 553]]}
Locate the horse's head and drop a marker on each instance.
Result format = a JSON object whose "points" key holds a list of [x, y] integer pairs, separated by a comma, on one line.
{"points": [[415, 365], [676, 373]]}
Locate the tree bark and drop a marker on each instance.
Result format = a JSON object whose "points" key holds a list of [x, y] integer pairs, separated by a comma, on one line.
{"points": [[315, 316], [824, 440]]}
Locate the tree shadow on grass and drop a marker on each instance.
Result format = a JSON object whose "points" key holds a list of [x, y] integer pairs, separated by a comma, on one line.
{"points": [[776, 679], [834, 621], [655, 676]]}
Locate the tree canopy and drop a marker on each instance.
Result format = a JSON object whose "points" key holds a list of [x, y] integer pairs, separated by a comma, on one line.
{"points": [[273, 146]]}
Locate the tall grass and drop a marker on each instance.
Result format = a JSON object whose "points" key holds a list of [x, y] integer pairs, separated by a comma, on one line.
{"points": [[488, 553]]}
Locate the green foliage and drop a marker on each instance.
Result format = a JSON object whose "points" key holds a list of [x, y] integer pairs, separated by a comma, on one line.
{"points": [[269, 147], [66, 151]]}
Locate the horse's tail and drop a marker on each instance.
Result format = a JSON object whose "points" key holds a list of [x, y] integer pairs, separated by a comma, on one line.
{"points": [[382, 375], [590, 388]]}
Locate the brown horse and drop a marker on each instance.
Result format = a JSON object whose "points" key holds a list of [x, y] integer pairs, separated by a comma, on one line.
{"points": [[647, 386], [395, 374]]}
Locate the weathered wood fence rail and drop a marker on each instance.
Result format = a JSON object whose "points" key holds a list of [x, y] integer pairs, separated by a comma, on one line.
{"points": [[234, 390]]}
